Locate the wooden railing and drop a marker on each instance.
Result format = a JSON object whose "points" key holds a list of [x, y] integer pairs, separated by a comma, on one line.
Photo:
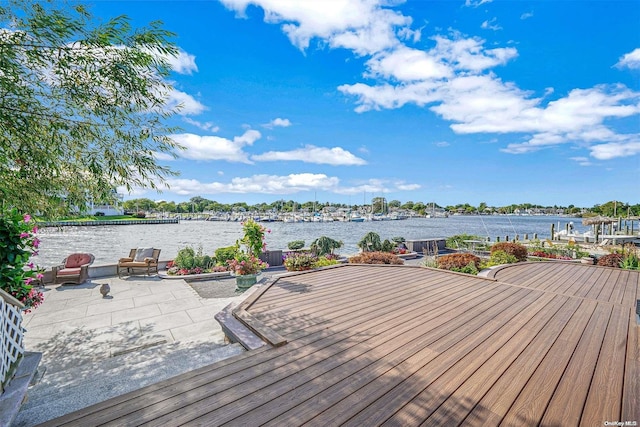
{"points": [[11, 337]]}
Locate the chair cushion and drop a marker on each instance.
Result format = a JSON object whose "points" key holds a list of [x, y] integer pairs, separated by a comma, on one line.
{"points": [[69, 271], [77, 260], [133, 264], [142, 253]]}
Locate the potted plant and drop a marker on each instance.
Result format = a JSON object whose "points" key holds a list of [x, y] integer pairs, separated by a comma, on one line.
{"points": [[246, 263], [246, 269]]}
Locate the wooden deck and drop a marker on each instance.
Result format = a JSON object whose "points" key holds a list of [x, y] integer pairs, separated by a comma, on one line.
{"points": [[552, 344]]}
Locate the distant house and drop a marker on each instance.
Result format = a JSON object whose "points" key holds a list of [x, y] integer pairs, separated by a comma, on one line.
{"points": [[114, 208]]}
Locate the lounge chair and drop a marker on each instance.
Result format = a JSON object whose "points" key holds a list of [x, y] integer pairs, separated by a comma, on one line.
{"points": [[142, 259], [74, 269]]}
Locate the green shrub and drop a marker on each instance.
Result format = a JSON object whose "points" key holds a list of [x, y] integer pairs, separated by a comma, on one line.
{"points": [[185, 258], [500, 258], [370, 242], [388, 246], [630, 260], [299, 261], [324, 261], [375, 258], [516, 249], [457, 262], [324, 245], [295, 245], [468, 269], [611, 260], [222, 255]]}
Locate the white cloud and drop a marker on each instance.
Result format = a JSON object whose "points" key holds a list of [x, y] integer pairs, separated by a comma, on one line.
{"points": [[526, 15], [186, 104], [182, 63], [407, 64], [277, 122], [205, 148], [476, 3], [491, 25], [630, 60], [582, 161], [280, 184], [616, 149], [363, 26], [208, 126], [442, 144], [310, 154]]}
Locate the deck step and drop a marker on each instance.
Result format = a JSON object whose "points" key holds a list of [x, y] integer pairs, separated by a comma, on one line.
{"points": [[16, 391], [65, 391]]}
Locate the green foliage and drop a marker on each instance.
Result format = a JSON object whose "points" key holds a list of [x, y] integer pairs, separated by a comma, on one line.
{"points": [[325, 245], [500, 258], [324, 262], [84, 106], [630, 260], [223, 255], [295, 245], [253, 238], [468, 269], [387, 246], [458, 241], [376, 258], [185, 258], [516, 249], [17, 244], [398, 240], [300, 261], [370, 242]]}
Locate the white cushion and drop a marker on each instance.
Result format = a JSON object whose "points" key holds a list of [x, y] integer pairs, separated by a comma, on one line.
{"points": [[142, 253]]}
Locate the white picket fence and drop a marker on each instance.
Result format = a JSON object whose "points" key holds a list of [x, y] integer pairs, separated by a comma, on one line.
{"points": [[11, 340]]}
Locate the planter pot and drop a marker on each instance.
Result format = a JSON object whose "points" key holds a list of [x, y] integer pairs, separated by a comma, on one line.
{"points": [[587, 260], [244, 282]]}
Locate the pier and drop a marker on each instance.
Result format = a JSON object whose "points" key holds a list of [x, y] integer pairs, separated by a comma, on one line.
{"points": [[113, 222]]}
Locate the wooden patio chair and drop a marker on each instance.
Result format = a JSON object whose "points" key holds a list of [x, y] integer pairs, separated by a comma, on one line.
{"points": [[74, 269], [141, 259]]}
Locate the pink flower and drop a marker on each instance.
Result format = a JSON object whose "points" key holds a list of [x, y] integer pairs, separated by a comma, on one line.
{"points": [[31, 265], [24, 235], [34, 229], [28, 280], [269, 231], [26, 218], [39, 276], [36, 243]]}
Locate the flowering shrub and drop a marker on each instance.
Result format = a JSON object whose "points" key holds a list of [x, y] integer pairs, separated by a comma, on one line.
{"points": [[499, 258], [458, 261], [188, 261], [299, 261], [375, 258], [324, 261], [517, 250], [18, 243], [244, 264], [543, 254]]}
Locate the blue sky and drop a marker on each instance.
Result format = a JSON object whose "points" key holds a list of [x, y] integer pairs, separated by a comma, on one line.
{"points": [[448, 101]]}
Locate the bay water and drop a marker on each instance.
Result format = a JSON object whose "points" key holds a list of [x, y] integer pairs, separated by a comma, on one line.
{"points": [[111, 242]]}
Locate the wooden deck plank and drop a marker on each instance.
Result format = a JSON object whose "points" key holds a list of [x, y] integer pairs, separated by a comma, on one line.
{"points": [[621, 286], [493, 406], [366, 400], [632, 293], [383, 350], [532, 401], [603, 402], [631, 387], [561, 278], [607, 291], [572, 276], [286, 323], [567, 403], [399, 387], [284, 379], [596, 288], [586, 282], [510, 335], [455, 409], [173, 399]]}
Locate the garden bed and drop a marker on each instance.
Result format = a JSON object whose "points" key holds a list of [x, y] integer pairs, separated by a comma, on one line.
{"points": [[201, 276]]}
